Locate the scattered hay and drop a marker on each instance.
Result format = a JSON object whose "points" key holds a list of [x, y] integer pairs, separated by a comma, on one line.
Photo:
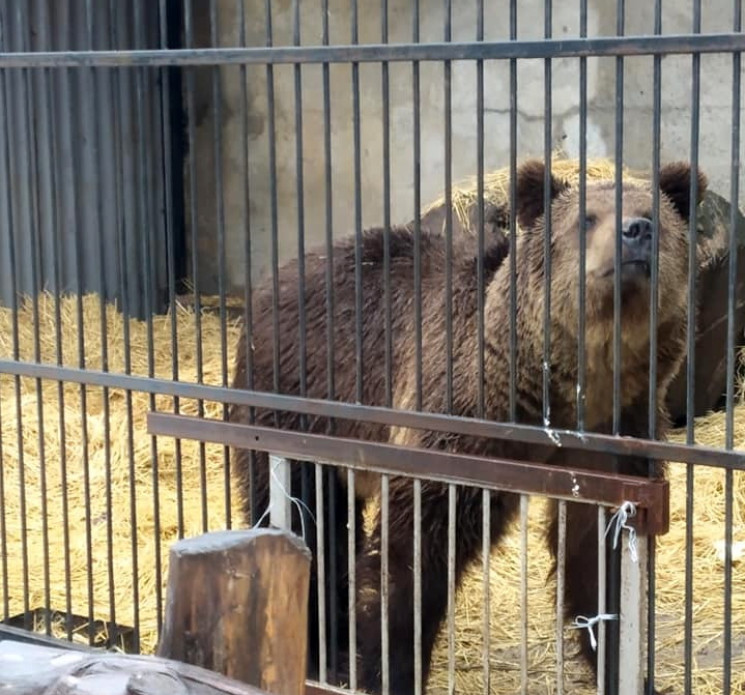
{"points": [[114, 461], [111, 562], [464, 194], [708, 597], [504, 573]]}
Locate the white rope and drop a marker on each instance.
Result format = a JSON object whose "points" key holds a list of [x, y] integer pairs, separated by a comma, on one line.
{"points": [[581, 622], [294, 500], [625, 512]]}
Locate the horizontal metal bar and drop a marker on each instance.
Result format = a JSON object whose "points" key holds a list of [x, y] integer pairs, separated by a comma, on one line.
{"points": [[575, 485], [316, 688], [16, 634], [569, 439], [372, 53]]}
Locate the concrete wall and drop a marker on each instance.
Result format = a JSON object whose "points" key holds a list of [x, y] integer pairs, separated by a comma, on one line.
{"points": [[715, 115]]}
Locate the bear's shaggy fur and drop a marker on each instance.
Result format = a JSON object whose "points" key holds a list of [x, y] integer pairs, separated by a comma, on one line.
{"points": [[255, 369], [372, 387]]}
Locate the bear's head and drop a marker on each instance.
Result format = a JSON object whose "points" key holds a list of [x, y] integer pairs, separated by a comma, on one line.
{"points": [[636, 234]]}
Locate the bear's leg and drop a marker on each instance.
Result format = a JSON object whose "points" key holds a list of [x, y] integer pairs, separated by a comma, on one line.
{"points": [[434, 576]]}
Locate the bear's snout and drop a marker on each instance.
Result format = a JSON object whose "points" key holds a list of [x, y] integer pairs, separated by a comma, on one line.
{"points": [[637, 245]]}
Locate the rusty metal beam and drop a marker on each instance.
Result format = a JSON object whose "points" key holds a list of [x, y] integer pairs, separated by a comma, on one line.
{"points": [[577, 485]]}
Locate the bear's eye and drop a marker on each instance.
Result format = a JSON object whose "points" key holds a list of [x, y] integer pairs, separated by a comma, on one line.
{"points": [[590, 221]]}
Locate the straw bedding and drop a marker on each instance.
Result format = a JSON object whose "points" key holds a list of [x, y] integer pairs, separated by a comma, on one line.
{"points": [[89, 528]]}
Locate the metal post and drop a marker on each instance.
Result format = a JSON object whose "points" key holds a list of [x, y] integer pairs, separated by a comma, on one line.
{"points": [[280, 505], [632, 618]]}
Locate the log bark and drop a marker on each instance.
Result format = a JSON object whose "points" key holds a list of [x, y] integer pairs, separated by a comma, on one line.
{"points": [[237, 603]]}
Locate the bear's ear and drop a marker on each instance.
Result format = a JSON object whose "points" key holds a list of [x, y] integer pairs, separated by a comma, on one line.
{"points": [[530, 187], [675, 183]]}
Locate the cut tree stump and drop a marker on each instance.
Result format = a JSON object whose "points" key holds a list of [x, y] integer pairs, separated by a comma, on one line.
{"points": [[237, 604]]}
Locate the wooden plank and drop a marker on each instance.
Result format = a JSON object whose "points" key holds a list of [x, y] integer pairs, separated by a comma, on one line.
{"points": [[237, 603]]}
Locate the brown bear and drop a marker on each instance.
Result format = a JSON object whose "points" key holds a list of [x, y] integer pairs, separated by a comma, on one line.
{"points": [[637, 232], [256, 370]]}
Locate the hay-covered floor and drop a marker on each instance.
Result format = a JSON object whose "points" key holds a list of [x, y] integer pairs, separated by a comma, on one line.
{"points": [[708, 521]]}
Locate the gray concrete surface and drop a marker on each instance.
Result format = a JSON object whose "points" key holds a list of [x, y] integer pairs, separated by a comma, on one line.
{"points": [[715, 115]]}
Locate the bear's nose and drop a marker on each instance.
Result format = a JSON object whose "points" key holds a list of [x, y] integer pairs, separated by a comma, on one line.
{"points": [[637, 231]]}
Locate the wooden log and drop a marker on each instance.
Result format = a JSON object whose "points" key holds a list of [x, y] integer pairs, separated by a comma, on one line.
{"points": [[33, 669], [237, 603]]}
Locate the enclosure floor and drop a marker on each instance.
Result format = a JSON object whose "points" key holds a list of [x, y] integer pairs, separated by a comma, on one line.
{"points": [[102, 537]]}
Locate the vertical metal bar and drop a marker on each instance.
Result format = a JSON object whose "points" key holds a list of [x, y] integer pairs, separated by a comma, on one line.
{"points": [[143, 200], [385, 479], [451, 587], [547, 120], [418, 673], [248, 259], [631, 618], [524, 508], [98, 136], [221, 263], [581, 329], [387, 211], [4, 210], [305, 479], [5, 174], [620, 6], [485, 564], [731, 298], [280, 504], [330, 472], [30, 139], [93, 163], [194, 224], [149, 265], [614, 564], [512, 257], [329, 236], [123, 281], [74, 217], [602, 575], [3, 526], [13, 255], [384, 583], [560, 581], [352, 525], [271, 117], [351, 556], [691, 350], [654, 292], [164, 93], [357, 207], [417, 212], [321, 565], [480, 202], [692, 238], [448, 216], [165, 108]]}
